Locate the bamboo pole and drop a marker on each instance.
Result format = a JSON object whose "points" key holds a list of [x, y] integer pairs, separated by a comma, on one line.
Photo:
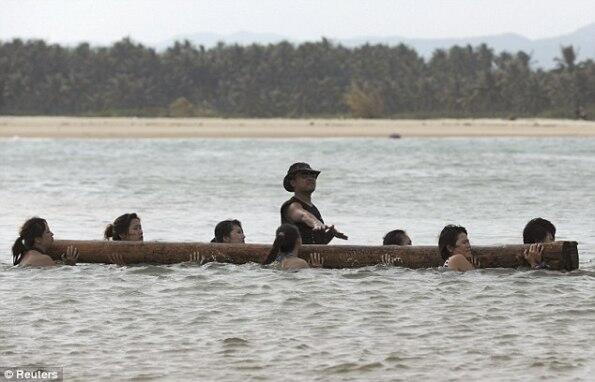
{"points": [[562, 255]]}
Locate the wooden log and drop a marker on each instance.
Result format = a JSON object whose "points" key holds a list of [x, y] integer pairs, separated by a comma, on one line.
{"points": [[561, 255]]}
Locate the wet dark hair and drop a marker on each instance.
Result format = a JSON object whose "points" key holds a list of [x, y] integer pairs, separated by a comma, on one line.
{"points": [[119, 227], [285, 241], [537, 229], [223, 229], [396, 237], [31, 229], [449, 236]]}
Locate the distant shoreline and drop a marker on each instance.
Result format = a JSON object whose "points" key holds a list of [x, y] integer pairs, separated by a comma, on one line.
{"points": [[96, 127]]}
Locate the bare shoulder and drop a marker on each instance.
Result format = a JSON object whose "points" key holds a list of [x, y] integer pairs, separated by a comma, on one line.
{"points": [[295, 206], [459, 263], [294, 212], [36, 259], [294, 263]]}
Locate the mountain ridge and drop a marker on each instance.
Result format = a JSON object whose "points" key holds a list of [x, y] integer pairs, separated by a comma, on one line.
{"points": [[542, 50]]}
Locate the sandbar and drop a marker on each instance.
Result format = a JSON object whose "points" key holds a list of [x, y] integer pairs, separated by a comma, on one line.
{"points": [[99, 127]]}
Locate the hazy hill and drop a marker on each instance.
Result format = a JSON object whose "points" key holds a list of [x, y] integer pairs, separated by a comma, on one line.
{"points": [[543, 50]]}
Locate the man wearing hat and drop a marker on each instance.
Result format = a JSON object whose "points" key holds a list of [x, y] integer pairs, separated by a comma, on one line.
{"points": [[299, 210]]}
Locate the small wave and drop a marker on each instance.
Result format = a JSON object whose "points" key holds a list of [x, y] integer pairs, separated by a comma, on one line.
{"points": [[348, 367], [152, 270], [361, 274], [196, 278], [579, 273], [235, 342]]}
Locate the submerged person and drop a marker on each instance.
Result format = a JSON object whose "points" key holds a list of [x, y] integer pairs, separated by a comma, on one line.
{"points": [[286, 247], [35, 238], [536, 232], [125, 228], [455, 248], [396, 237], [539, 230], [300, 211], [230, 232]]}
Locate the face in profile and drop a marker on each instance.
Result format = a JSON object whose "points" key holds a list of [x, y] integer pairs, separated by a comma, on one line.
{"points": [[304, 181], [135, 231], [47, 238], [236, 236], [462, 246]]}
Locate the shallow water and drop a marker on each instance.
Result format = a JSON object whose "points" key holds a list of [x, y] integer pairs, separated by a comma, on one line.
{"points": [[227, 322]]}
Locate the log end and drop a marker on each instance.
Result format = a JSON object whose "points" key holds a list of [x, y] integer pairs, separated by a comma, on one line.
{"points": [[570, 255]]}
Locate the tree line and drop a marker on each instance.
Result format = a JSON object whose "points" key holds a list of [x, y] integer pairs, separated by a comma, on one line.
{"points": [[313, 79]]}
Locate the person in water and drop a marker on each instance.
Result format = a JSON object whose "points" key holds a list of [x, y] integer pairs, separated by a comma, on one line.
{"points": [[35, 238], [396, 237], [455, 249], [300, 211], [229, 231], [125, 228], [539, 230], [536, 232], [286, 247]]}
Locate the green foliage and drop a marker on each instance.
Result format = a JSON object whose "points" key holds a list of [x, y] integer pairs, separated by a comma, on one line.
{"points": [[364, 102], [181, 107], [285, 80]]}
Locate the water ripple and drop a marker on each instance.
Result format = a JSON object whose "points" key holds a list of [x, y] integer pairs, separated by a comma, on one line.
{"points": [[227, 322]]}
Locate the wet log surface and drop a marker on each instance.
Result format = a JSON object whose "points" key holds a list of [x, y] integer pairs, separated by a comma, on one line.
{"points": [[562, 255]]}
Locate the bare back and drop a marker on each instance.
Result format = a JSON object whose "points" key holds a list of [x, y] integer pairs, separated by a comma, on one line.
{"points": [[294, 262], [36, 259]]}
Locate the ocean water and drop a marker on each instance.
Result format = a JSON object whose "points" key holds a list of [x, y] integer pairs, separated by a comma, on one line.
{"points": [[227, 323]]}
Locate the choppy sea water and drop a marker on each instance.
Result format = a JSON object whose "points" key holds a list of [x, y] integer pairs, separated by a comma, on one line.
{"points": [[226, 323]]}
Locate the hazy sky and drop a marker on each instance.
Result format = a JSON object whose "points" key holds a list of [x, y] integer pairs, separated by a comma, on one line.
{"points": [[151, 21]]}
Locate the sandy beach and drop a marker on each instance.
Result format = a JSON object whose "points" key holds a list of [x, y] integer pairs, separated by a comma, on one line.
{"points": [[74, 127]]}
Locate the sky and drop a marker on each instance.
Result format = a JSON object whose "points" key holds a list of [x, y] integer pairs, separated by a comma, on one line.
{"points": [[153, 21]]}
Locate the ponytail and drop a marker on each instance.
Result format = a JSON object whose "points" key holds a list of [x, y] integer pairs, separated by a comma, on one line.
{"points": [[18, 250], [31, 229], [109, 232], [286, 239], [274, 252]]}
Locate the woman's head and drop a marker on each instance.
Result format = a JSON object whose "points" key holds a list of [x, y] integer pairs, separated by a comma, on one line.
{"points": [[125, 228], [453, 238], [287, 239], [229, 231], [396, 237], [34, 234]]}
